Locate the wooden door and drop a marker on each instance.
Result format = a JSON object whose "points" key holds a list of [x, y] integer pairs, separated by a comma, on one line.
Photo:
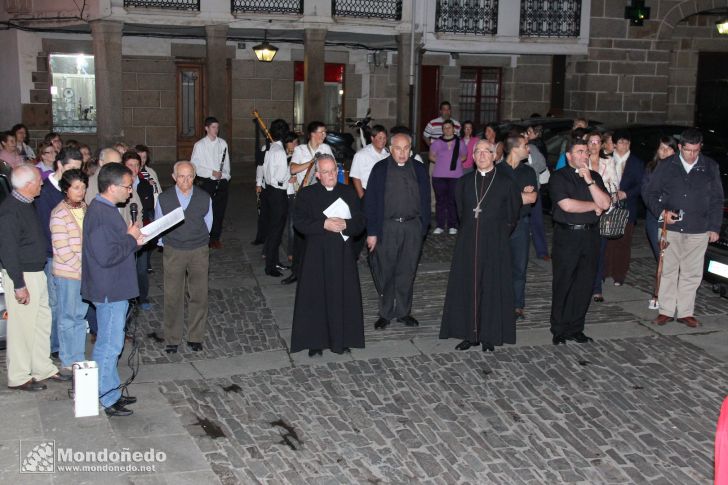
{"points": [[190, 107], [429, 101]]}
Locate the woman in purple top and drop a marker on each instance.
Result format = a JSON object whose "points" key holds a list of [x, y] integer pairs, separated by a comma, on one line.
{"points": [[448, 153]]}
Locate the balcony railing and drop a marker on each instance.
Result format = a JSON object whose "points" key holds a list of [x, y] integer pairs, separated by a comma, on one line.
{"points": [[165, 4], [373, 9], [267, 6], [550, 18], [478, 17]]}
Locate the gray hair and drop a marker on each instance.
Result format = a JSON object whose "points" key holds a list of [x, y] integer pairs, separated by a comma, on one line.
{"points": [[23, 174], [104, 154], [184, 162]]}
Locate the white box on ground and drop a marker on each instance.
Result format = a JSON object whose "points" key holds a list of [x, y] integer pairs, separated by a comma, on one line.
{"points": [[86, 389]]}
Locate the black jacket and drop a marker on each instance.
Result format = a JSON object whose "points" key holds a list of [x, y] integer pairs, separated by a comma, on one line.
{"points": [[698, 193], [22, 243]]}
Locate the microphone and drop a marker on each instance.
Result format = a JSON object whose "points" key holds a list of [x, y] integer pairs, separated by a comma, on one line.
{"points": [[134, 212]]}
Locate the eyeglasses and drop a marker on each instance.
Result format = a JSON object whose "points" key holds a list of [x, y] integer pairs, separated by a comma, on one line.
{"points": [[321, 132], [127, 187]]}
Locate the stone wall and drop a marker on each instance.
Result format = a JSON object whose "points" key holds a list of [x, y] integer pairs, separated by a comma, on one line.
{"points": [[696, 33], [267, 87], [149, 104], [383, 94], [526, 87]]}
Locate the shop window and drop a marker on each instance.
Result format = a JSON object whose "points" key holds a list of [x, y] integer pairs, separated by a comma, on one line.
{"points": [[333, 97], [73, 93]]}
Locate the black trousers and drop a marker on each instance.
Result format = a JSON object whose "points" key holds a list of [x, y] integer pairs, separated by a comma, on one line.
{"points": [[277, 210], [218, 190], [574, 258], [262, 229], [397, 253]]}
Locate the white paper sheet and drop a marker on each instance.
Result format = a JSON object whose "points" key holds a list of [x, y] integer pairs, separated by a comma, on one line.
{"points": [[339, 209], [160, 225]]}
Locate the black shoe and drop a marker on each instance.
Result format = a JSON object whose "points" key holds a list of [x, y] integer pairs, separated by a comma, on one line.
{"points": [[118, 409], [54, 355], [292, 278], [256, 242], [558, 339], [465, 345], [195, 346], [381, 324], [580, 338], [31, 386], [126, 400], [273, 272], [488, 347], [409, 320], [315, 352], [282, 267], [171, 349]]}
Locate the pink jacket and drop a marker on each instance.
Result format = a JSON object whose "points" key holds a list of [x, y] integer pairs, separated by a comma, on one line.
{"points": [[66, 237]]}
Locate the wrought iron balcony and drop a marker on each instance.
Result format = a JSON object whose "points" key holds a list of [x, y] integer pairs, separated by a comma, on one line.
{"points": [[165, 4], [267, 6], [373, 9], [478, 17], [550, 18]]}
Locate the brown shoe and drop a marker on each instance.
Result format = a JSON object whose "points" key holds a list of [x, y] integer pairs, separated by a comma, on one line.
{"points": [[32, 386], [689, 321], [662, 319]]}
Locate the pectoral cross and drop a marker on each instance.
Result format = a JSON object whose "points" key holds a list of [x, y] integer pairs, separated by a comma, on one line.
{"points": [[477, 210]]}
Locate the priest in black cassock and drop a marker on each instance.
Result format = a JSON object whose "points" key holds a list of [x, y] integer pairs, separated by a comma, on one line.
{"points": [[328, 311], [479, 300]]}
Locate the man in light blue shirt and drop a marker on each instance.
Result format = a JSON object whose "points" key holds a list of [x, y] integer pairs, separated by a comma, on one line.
{"points": [[186, 258]]}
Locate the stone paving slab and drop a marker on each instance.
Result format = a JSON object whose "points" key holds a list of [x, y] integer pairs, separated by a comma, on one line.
{"points": [[641, 410]]}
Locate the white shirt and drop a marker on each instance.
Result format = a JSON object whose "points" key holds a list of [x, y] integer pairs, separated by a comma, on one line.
{"points": [[363, 162], [687, 166], [303, 154], [275, 167], [207, 155], [259, 182]]}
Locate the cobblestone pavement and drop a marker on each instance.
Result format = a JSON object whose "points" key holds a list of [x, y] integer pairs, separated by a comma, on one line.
{"points": [[616, 411], [639, 405]]}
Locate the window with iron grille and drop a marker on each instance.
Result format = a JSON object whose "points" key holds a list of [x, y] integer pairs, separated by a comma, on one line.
{"points": [[374, 9], [267, 6], [550, 18], [480, 94], [478, 17], [167, 4]]}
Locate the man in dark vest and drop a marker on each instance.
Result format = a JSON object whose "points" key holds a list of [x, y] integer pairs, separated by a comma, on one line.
{"points": [[186, 258], [397, 208]]}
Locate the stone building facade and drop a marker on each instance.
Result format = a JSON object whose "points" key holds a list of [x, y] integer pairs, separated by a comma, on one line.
{"points": [[614, 72]]}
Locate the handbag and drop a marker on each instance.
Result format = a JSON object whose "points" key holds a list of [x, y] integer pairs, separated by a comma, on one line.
{"points": [[613, 222]]}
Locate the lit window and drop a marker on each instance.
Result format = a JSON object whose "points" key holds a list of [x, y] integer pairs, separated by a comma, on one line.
{"points": [[73, 93]]}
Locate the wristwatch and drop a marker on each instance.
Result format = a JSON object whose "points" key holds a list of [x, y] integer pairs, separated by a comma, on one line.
{"points": [[590, 183]]}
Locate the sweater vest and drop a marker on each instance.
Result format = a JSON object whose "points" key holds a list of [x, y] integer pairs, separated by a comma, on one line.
{"points": [[192, 233]]}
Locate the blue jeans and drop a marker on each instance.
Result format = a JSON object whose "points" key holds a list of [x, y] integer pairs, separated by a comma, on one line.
{"points": [[537, 230], [71, 325], [520, 244], [111, 318], [53, 303]]}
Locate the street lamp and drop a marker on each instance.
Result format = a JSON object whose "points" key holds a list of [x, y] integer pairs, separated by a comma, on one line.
{"points": [[722, 26], [265, 52]]}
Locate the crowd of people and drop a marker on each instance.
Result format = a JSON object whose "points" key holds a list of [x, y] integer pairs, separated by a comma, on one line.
{"points": [[74, 253], [487, 194]]}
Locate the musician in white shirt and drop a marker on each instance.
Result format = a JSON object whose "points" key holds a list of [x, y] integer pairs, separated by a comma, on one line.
{"points": [[276, 177], [211, 159], [367, 157], [303, 155]]}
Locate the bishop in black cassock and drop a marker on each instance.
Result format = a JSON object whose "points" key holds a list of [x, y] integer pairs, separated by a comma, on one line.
{"points": [[479, 300], [328, 310]]}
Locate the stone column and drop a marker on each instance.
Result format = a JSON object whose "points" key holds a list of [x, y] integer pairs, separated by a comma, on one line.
{"points": [[106, 40], [216, 85], [403, 76], [313, 73]]}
